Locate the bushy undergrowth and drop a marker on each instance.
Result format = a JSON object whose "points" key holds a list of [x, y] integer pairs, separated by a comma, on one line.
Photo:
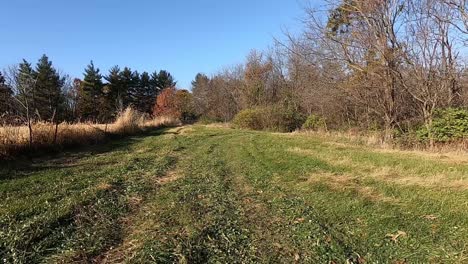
{"points": [[272, 118], [14, 140], [449, 129], [449, 125], [314, 123], [249, 119]]}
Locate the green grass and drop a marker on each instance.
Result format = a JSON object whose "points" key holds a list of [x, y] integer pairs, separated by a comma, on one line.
{"points": [[214, 195]]}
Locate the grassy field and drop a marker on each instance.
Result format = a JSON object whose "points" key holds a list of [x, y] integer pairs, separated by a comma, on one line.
{"points": [[202, 194]]}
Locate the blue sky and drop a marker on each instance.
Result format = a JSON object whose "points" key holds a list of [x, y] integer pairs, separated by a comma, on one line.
{"points": [[183, 36]]}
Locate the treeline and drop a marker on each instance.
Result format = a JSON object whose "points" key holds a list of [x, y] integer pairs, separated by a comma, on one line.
{"points": [[42, 93], [395, 66]]}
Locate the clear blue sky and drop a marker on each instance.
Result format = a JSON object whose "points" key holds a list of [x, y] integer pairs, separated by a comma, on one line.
{"points": [[183, 36]]}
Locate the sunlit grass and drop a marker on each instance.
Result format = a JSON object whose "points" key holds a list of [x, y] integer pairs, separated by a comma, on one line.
{"points": [[203, 194]]}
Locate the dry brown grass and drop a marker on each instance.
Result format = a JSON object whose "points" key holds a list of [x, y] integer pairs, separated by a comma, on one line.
{"points": [[349, 183], [396, 174], [376, 139], [351, 135], [14, 140]]}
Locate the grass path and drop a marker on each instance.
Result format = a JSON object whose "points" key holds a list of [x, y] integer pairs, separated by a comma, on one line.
{"points": [[214, 195]]}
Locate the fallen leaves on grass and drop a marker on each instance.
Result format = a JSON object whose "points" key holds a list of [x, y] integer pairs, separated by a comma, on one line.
{"points": [[299, 220], [394, 237], [430, 217], [171, 176]]}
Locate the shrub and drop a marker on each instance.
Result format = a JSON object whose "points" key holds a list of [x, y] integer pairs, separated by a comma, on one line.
{"points": [[284, 118], [250, 119], [175, 103], [448, 125], [272, 118], [314, 122]]}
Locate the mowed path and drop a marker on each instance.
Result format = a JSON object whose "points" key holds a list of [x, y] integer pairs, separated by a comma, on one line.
{"points": [[202, 194]]}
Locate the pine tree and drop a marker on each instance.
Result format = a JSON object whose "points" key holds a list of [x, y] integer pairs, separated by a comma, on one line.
{"points": [[107, 107], [49, 100], [90, 93], [154, 84], [124, 97], [6, 98], [26, 84], [134, 91], [165, 80], [112, 90], [146, 94], [154, 88]]}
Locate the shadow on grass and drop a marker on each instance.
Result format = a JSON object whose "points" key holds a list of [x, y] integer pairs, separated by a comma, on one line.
{"points": [[37, 161]]}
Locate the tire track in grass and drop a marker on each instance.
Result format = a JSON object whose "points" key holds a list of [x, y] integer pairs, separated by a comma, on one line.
{"points": [[282, 216], [221, 236], [79, 211], [196, 218]]}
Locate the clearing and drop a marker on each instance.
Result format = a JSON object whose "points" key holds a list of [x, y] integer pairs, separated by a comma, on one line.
{"points": [[201, 194]]}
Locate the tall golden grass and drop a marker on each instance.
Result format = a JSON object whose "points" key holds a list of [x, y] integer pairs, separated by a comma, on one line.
{"points": [[14, 140]]}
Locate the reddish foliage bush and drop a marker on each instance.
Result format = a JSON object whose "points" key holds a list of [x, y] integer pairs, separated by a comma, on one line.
{"points": [[175, 103], [165, 103]]}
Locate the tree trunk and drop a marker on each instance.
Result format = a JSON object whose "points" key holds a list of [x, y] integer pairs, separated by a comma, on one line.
{"points": [[52, 120], [389, 126], [30, 133], [428, 123], [388, 134], [29, 129], [56, 132]]}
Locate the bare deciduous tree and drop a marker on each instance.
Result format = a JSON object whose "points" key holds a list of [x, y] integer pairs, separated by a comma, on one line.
{"points": [[23, 85]]}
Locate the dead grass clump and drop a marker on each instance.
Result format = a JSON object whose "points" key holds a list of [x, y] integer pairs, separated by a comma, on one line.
{"points": [[219, 125], [389, 175], [398, 175], [129, 121], [11, 138], [355, 137], [14, 140], [371, 138], [349, 183], [171, 176], [162, 121]]}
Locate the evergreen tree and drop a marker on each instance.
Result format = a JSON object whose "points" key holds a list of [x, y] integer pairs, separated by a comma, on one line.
{"points": [[26, 84], [134, 91], [6, 98], [107, 107], [154, 83], [124, 94], [113, 89], [146, 94], [154, 89], [165, 80], [49, 100], [90, 93]]}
